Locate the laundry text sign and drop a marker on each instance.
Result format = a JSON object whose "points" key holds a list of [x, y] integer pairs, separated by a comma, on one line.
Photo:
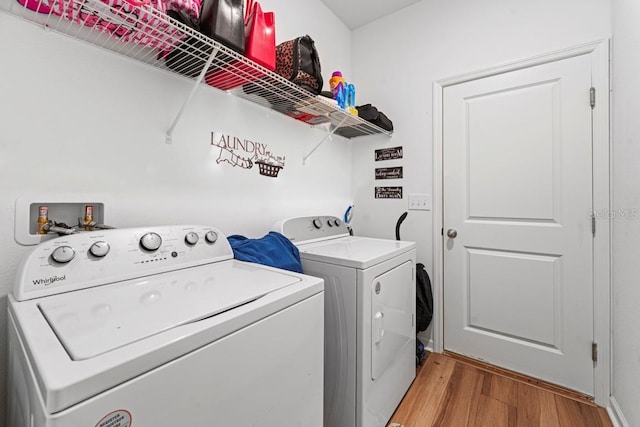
{"points": [[388, 192], [388, 154], [244, 153], [389, 173]]}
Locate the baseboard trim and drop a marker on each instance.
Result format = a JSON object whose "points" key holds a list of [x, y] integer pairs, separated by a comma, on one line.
{"points": [[615, 414], [429, 346]]}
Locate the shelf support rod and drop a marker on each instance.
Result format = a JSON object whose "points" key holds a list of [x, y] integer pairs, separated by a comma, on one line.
{"points": [[322, 141], [193, 92]]}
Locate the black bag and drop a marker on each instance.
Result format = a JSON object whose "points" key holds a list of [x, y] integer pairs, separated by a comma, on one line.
{"points": [[424, 299], [351, 131], [424, 293], [371, 114], [298, 61], [221, 20]]}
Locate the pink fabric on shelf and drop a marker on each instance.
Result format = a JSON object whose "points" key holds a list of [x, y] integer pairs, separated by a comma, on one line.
{"points": [[190, 8], [139, 21], [35, 5]]}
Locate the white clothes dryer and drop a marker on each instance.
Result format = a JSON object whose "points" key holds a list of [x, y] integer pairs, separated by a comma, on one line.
{"points": [[160, 326], [370, 333]]}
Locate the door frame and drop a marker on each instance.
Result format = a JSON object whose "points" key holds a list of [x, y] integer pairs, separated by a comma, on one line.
{"points": [[599, 52]]}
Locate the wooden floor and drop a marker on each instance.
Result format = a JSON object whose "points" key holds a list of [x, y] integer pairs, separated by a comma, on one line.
{"points": [[448, 392]]}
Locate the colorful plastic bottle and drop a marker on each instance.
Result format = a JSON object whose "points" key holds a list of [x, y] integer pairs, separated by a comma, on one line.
{"points": [[351, 99], [338, 87]]}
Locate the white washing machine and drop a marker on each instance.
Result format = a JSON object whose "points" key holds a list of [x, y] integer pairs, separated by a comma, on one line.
{"points": [[160, 326], [370, 332]]}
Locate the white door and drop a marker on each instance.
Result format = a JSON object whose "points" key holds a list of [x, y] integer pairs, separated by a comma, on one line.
{"points": [[518, 285]]}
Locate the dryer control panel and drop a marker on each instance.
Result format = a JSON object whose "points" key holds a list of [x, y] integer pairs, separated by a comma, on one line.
{"points": [[312, 228], [84, 260]]}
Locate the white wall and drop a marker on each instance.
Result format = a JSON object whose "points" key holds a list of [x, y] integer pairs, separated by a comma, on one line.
{"points": [[626, 204], [80, 120], [396, 60]]}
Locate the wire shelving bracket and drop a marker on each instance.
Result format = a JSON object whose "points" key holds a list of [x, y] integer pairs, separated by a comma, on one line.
{"points": [[191, 94]]}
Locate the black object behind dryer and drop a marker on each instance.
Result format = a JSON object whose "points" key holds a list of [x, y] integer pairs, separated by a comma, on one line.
{"points": [[424, 298]]}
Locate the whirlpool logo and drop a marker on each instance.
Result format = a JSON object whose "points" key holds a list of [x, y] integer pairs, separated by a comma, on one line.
{"points": [[49, 280]]}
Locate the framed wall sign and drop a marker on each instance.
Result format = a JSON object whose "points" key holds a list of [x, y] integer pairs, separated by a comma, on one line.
{"points": [[388, 192], [388, 154], [389, 173]]}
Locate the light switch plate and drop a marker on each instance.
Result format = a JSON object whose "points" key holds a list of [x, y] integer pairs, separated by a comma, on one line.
{"points": [[420, 202]]}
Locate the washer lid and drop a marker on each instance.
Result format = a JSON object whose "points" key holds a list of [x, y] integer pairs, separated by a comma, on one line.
{"points": [[356, 252], [94, 321]]}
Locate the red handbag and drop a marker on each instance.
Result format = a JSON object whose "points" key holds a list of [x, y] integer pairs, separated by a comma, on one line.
{"points": [[260, 33], [260, 47]]}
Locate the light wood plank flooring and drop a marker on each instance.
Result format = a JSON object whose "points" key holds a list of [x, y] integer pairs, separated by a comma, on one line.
{"points": [[449, 392]]}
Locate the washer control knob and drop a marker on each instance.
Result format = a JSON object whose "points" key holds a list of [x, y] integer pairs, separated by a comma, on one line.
{"points": [[330, 223], [99, 249], [151, 241], [337, 222], [63, 254], [211, 236], [317, 223], [191, 238]]}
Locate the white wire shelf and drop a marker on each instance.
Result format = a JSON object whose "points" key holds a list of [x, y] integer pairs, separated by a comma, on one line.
{"points": [[151, 36]]}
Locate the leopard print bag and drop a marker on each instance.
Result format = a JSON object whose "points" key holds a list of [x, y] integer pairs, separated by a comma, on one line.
{"points": [[297, 60]]}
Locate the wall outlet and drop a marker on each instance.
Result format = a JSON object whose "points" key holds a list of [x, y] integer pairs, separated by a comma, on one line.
{"points": [[420, 202]]}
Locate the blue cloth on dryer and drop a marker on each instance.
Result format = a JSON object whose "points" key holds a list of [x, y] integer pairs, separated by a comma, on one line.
{"points": [[274, 250]]}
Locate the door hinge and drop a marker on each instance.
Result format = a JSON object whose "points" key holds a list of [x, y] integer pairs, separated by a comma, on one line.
{"points": [[442, 231], [593, 225], [594, 351], [592, 97]]}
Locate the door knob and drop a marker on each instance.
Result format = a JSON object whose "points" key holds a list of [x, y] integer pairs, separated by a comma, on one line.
{"points": [[452, 233]]}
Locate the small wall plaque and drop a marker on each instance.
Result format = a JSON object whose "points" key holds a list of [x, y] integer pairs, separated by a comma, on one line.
{"points": [[388, 153], [389, 173], [388, 192]]}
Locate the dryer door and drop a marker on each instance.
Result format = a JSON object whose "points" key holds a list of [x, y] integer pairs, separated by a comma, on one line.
{"points": [[393, 301]]}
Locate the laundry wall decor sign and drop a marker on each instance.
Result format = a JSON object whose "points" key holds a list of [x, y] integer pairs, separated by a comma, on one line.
{"points": [[388, 193], [388, 154], [244, 153], [389, 173]]}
